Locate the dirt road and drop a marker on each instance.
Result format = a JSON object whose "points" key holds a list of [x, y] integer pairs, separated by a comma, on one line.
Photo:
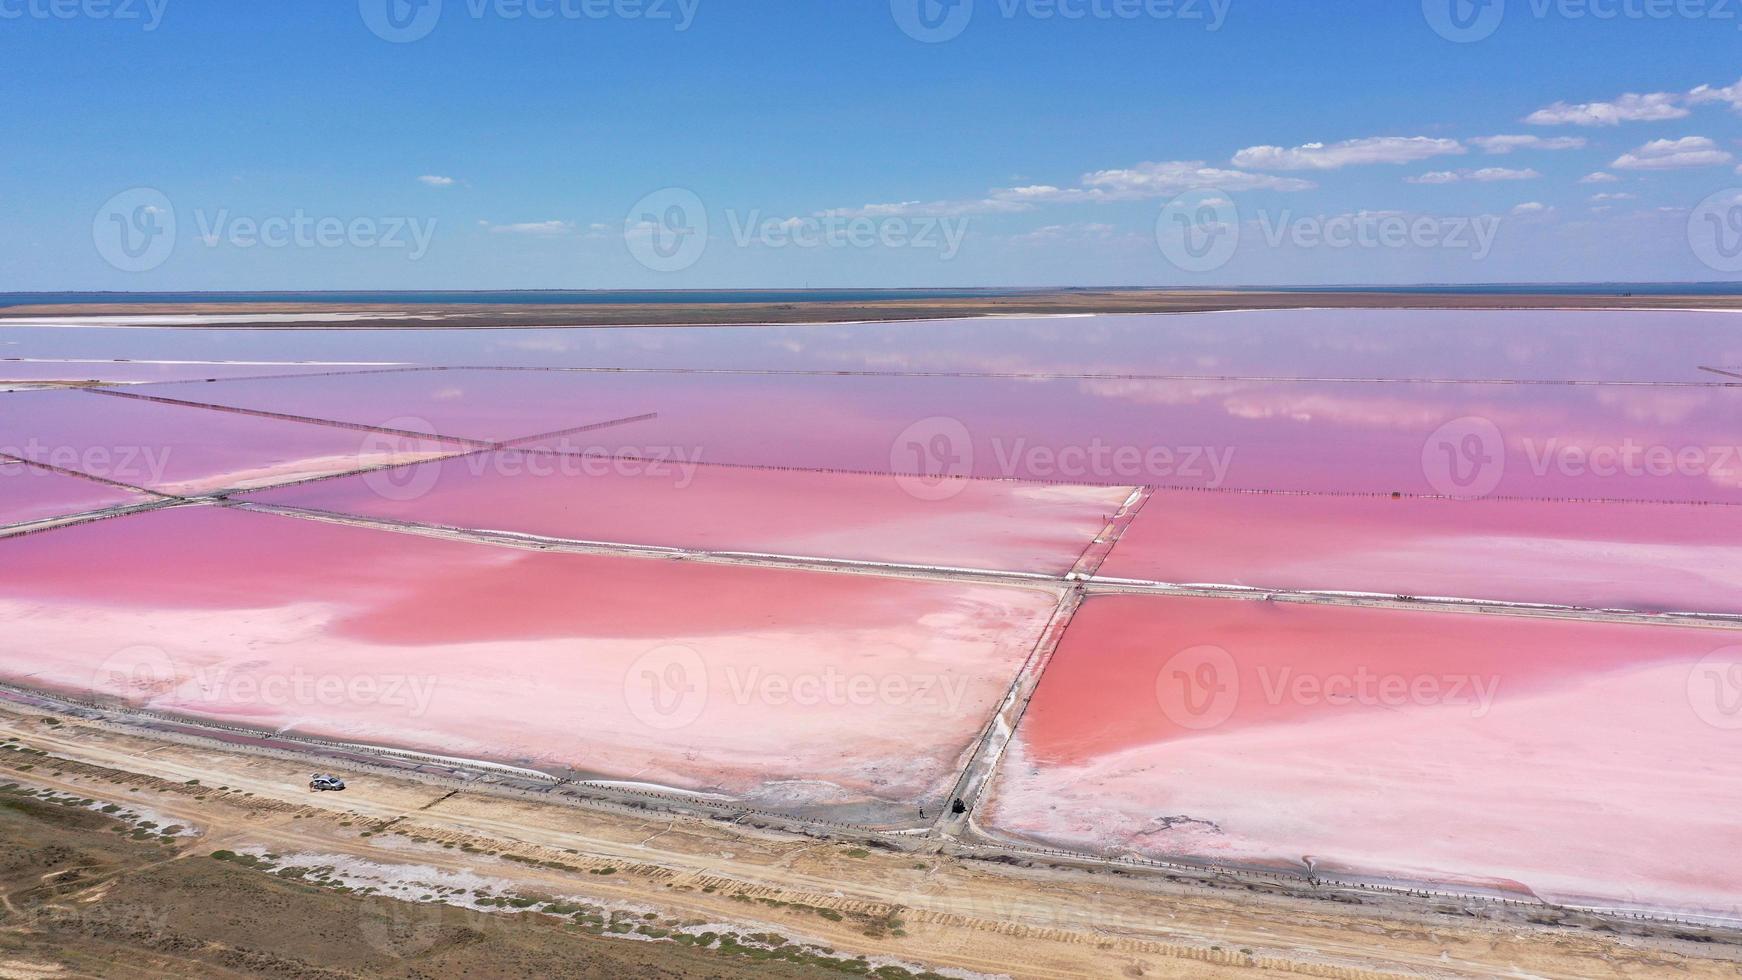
{"points": [[983, 917]]}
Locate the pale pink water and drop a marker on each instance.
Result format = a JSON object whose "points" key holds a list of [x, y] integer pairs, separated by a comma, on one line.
{"points": [[1587, 774], [30, 493], [482, 405], [1648, 557], [134, 372], [181, 450], [1634, 345], [559, 661], [969, 523], [1536, 441], [1576, 760]]}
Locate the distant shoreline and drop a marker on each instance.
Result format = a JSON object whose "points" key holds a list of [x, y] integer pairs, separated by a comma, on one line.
{"points": [[806, 294], [710, 309]]}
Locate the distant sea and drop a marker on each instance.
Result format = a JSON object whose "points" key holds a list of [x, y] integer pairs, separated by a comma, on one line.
{"points": [[606, 297], [517, 297]]}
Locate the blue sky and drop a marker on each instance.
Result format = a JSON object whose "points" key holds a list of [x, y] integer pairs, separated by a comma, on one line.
{"points": [[481, 147]]}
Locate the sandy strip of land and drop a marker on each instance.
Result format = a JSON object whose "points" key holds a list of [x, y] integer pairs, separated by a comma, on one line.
{"points": [[1015, 918], [316, 316]]}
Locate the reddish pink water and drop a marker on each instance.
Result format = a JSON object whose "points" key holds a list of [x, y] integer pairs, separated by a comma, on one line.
{"points": [[1577, 760], [1100, 693], [181, 450], [975, 524], [1537, 441], [1580, 760], [527, 657], [1655, 557], [29, 493]]}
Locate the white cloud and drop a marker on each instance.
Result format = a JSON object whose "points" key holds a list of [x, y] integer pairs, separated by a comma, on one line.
{"points": [[1622, 196], [434, 181], [1631, 107], [1320, 156], [1531, 207], [1030, 192], [1689, 151], [1731, 94], [930, 209], [1486, 175], [1140, 182], [1160, 179], [1599, 177], [1506, 144], [1052, 234], [541, 229]]}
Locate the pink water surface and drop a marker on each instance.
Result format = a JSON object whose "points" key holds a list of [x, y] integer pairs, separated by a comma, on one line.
{"points": [[1536, 441], [181, 450], [1633, 345], [1646, 557], [1587, 763], [31, 493], [740, 681], [469, 404], [135, 372], [969, 523]]}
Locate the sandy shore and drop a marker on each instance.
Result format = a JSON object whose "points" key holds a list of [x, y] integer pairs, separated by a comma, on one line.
{"points": [[911, 903]]}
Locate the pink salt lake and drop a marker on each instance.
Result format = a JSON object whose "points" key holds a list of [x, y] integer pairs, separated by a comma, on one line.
{"points": [[1532, 441], [1642, 557], [1584, 763], [1000, 525], [840, 695]]}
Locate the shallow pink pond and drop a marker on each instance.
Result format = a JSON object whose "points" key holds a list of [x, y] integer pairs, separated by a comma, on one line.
{"points": [[1634, 345], [1535, 441], [1645, 557], [30, 493], [135, 372], [1586, 763], [489, 406], [999, 525], [187, 451], [834, 695]]}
